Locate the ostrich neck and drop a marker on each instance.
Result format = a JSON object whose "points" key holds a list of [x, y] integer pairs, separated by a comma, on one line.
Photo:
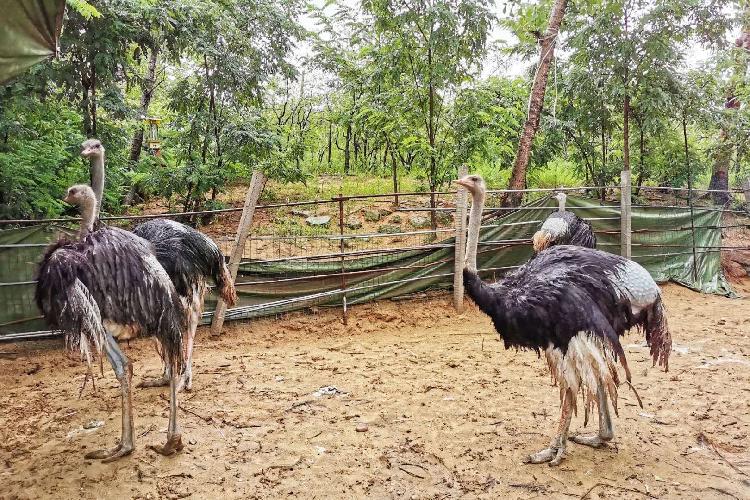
{"points": [[96, 171], [561, 203], [89, 212], [475, 224]]}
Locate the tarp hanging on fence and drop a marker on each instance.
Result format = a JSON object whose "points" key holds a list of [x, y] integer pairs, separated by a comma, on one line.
{"points": [[662, 243], [29, 31]]}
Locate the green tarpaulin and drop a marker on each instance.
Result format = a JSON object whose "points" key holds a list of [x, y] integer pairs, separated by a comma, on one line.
{"points": [[662, 242], [29, 31]]}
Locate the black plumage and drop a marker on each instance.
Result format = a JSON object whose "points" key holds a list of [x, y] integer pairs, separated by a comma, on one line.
{"points": [[116, 273], [563, 292], [188, 256]]}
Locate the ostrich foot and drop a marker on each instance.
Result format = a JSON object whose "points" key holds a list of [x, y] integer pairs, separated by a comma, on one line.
{"points": [[156, 382], [112, 454], [171, 447], [594, 441], [551, 455]]}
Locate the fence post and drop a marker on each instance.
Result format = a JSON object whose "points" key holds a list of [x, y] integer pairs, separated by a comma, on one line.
{"points": [[243, 230], [460, 250], [625, 214], [342, 247], [746, 189]]}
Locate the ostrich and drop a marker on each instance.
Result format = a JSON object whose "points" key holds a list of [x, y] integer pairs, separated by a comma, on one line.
{"points": [[572, 303], [108, 285], [564, 228], [189, 257]]}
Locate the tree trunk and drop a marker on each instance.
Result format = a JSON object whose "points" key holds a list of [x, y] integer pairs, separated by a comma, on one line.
{"points": [[330, 141], [626, 132], [601, 179], [147, 92], [725, 150], [536, 101], [431, 136], [395, 179], [347, 148], [136, 143]]}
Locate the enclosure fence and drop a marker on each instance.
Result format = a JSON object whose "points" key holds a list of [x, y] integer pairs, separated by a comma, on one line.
{"points": [[352, 249]]}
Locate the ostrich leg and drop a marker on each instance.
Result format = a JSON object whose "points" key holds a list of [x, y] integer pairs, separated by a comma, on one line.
{"points": [[174, 437], [554, 453], [124, 372], [606, 432]]}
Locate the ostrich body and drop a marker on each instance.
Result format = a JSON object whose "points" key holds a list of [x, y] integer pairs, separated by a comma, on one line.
{"points": [[564, 228], [572, 304], [189, 257], [108, 286]]}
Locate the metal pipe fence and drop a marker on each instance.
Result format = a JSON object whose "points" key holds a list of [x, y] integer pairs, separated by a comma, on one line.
{"points": [[359, 251]]}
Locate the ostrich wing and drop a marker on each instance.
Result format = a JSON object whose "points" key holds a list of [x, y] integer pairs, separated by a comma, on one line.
{"points": [[562, 292], [188, 256], [67, 304]]}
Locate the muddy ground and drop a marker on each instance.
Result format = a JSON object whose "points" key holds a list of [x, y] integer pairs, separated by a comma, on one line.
{"points": [[449, 413]]}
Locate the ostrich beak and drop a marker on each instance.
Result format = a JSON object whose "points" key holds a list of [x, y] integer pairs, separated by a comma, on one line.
{"points": [[67, 199], [462, 183], [86, 152]]}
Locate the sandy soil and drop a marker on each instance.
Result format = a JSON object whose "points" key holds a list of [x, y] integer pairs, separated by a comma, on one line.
{"points": [[450, 413]]}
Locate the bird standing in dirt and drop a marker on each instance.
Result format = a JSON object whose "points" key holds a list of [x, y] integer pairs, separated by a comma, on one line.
{"points": [[106, 286], [572, 304], [190, 258], [564, 228]]}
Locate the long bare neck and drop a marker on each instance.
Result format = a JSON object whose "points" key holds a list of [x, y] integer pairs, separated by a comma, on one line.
{"points": [[475, 224], [89, 213], [561, 203], [96, 171]]}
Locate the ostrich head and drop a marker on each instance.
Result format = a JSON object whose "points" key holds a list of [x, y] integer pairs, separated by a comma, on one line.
{"points": [[82, 196], [92, 148], [94, 151], [473, 183]]}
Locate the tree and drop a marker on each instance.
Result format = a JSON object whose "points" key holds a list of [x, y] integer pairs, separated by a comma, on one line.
{"points": [[547, 42]]}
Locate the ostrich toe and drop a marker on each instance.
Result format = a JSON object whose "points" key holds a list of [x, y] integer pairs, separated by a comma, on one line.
{"points": [[171, 447], [163, 381], [111, 454], [544, 456], [594, 441]]}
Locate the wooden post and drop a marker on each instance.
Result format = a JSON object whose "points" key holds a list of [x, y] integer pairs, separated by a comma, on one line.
{"points": [[243, 230], [746, 189], [625, 214], [460, 251], [342, 247]]}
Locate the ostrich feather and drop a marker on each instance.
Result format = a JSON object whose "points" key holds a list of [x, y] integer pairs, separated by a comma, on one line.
{"points": [[123, 280], [563, 291], [189, 257]]}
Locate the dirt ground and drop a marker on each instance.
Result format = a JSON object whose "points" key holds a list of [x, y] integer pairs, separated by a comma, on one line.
{"points": [[449, 413]]}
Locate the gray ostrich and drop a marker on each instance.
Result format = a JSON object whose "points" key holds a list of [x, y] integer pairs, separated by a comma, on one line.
{"points": [[571, 303], [190, 258], [564, 228], [106, 286]]}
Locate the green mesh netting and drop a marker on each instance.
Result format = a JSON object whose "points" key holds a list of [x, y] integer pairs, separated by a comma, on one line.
{"points": [[662, 243]]}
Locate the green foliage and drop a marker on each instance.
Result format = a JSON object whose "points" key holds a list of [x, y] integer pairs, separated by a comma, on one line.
{"points": [[38, 158], [84, 8], [557, 173]]}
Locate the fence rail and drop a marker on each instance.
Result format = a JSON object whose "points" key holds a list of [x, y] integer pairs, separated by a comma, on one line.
{"points": [[287, 264]]}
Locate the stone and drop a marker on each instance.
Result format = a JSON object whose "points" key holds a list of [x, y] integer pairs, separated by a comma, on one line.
{"points": [[318, 220], [372, 215], [362, 427], [389, 229], [353, 222], [419, 222], [301, 213]]}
